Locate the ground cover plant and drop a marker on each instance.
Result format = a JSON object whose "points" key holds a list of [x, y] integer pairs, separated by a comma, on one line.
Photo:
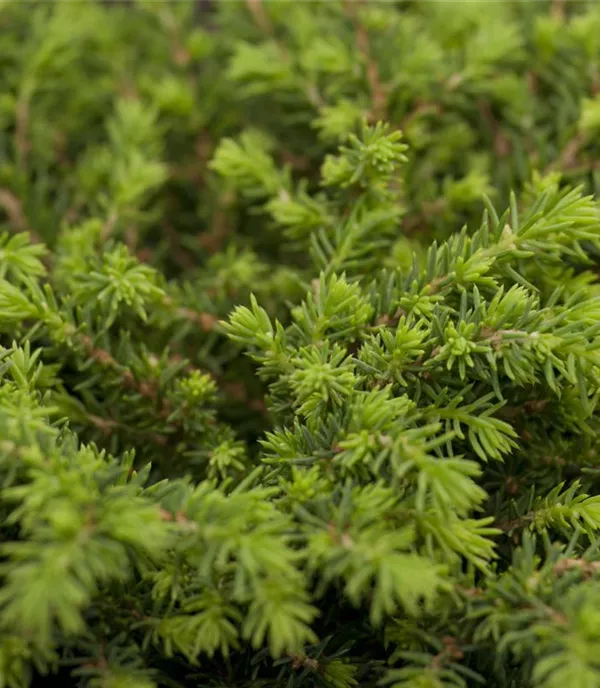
{"points": [[300, 344]]}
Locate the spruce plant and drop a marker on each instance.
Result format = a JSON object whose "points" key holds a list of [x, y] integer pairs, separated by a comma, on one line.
{"points": [[299, 344]]}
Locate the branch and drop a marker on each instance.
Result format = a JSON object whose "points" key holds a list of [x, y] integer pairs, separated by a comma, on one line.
{"points": [[513, 524], [304, 662], [378, 90], [108, 425], [557, 10], [14, 209], [261, 18], [568, 156], [206, 321], [212, 239], [450, 652], [588, 568], [109, 225], [21, 127], [422, 108], [501, 143], [147, 389], [426, 107], [420, 219]]}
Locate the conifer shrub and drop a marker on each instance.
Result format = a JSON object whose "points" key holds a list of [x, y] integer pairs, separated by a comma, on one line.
{"points": [[299, 344]]}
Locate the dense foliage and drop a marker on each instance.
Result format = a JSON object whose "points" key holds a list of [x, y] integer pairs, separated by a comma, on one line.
{"points": [[299, 344]]}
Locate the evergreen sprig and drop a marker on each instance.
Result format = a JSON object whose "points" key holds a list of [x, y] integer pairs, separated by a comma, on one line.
{"points": [[299, 344]]}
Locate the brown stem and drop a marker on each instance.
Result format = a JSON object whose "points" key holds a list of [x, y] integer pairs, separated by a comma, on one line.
{"points": [[298, 162], [131, 238], [304, 662], [147, 389], [501, 143], [557, 11], [378, 90], [183, 259], [109, 225], [508, 526], [14, 209], [207, 321], [21, 127], [450, 652], [588, 568], [568, 156], [429, 210], [108, 425], [261, 19], [422, 108], [212, 239]]}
